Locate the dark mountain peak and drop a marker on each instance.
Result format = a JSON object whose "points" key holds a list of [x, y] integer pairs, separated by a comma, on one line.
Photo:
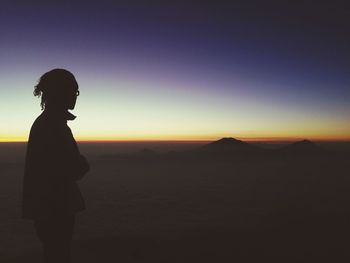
{"points": [[304, 144], [228, 144], [306, 141], [227, 141]]}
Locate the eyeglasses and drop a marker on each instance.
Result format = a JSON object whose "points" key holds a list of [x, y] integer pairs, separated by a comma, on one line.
{"points": [[77, 93]]}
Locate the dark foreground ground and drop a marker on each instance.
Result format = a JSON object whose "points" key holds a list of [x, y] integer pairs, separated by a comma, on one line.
{"points": [[192, 207]]}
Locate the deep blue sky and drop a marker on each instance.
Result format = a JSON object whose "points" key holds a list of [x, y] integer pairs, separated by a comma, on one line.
{"points": [[282, 57]]}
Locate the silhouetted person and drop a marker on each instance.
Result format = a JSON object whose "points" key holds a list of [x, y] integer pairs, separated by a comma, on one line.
{"points": [[51, 196]]}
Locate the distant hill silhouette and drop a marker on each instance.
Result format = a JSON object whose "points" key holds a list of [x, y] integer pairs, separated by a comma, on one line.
{"points": [[305, 150], [231, 149], [304, 146], [229, 144]]}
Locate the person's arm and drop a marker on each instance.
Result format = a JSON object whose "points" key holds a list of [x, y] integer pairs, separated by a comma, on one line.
{"points": [[80, 167], [60, 155]]}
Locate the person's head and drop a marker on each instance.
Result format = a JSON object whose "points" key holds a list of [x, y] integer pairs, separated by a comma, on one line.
{"points": [[58, 89]]}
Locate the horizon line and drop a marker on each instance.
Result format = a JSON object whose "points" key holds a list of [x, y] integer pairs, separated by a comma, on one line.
{"points": [[247, 139]]}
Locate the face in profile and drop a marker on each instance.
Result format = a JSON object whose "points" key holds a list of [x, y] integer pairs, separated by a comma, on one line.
{"points": [[71, 97], [58, 89]]}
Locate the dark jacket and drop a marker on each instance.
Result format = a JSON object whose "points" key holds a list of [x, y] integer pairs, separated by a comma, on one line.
{"points": [[52, 167]]}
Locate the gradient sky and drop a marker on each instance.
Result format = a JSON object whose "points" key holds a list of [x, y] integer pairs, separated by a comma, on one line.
{"points": [[173, 70]]}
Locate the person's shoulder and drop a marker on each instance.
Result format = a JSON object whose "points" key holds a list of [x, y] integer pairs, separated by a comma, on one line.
{"points": [[39, 123], [41, 126]]}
